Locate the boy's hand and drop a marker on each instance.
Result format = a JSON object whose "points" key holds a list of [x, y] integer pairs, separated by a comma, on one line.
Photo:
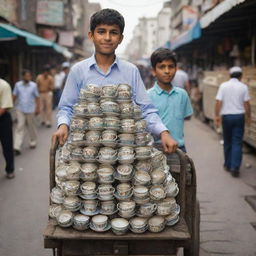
{"points": [[169, 144], [60, 135]]}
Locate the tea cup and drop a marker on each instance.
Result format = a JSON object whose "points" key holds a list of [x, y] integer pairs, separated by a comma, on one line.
{"points": [[90, 206], [78, 124], [171, 189], [124, 95], [88, 171], [109, 90], [72, 203], [65, 218], [93, 136], [138, 224], [80, 109], [108, 206], [124, 87], [109, 135], [96, 123], [119, 226], [61, 172], [142, 178], [71, 187], [109, 107], [128, 126], [140, 125], [93, 89], [126, 208], [143, 151], [100, 222], [157, 176], [81, 222], [54, 210], [166, 206], [57, 195], [88, 188], [126, 139], [112, 122], [140, 192], [73, 171], [94, 108], [126, 109], [107, 153], [156, 224], [105, 173], [77, 136], [137, 112], [142, 139], [147, 209], [157, 192], [124, 189], [144, 165], [106, 191], [90, 152]]}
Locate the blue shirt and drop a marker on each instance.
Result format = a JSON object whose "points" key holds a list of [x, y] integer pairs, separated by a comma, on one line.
{"points": [[173, 107], [87, 72], [26, 94]]}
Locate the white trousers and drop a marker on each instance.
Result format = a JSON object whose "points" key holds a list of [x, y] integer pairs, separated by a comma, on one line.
{"points": [[24, 120]]}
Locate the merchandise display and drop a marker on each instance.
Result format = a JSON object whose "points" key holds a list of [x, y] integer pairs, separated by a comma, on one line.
{"points": [[108, 174]]}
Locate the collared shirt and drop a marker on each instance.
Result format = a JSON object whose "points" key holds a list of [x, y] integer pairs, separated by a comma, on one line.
{"points": [[87, 72], [45, 84], [180, 79], [58, 80], [232, 94], [173, 107], [26, 94], [5, 95]]}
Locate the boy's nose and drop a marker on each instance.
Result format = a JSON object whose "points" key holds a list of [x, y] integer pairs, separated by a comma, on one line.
{"points": [[107, 36]]}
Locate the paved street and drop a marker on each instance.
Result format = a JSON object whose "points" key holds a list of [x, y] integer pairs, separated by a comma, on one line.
{"points": [[225, 215]]}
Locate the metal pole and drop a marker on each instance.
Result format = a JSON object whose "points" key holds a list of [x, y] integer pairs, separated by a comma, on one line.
{"points": [[253, 49]]}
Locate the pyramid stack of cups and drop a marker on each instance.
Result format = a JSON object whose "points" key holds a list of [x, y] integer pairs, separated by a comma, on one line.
{"points": [[109, 175]]}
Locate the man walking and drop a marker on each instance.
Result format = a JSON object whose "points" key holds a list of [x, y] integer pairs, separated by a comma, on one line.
{"points": [[26, 95], [45, 85], [232, 103], [6, 137]]}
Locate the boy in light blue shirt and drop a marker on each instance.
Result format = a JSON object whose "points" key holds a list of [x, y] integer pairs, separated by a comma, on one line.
{"points": [[173, 103]]}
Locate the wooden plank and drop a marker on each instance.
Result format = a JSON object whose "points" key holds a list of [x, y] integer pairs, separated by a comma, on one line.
{"points": [[177, 232]]}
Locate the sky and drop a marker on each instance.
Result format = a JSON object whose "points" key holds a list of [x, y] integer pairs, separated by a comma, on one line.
{"points": [[132, 10]]}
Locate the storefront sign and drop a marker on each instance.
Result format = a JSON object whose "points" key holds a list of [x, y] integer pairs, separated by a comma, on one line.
{"points": [[50, 13]]}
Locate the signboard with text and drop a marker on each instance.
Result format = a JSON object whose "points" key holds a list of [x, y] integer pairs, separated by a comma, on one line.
{"points": [[50, 13]]}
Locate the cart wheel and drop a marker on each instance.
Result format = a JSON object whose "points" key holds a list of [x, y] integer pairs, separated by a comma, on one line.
{"points": [[194, 247]]}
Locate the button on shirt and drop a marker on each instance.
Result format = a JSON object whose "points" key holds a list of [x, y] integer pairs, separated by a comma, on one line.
{"points": [[26, 94], [5, 95], [173, 107], [87, 72], [233, 94]]}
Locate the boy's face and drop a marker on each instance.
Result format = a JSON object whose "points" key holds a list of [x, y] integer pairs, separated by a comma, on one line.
{"points": [[106, 38], [164, 71], [27, 76]]}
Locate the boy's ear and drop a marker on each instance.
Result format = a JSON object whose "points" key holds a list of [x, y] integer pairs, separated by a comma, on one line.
{"points": [[153, 72], [90, 35], [121, 39]]}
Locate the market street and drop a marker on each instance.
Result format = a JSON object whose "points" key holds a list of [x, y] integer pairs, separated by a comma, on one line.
{"points": [[225, 215]]}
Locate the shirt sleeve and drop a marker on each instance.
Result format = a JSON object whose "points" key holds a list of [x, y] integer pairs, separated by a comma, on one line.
{"points": [[246, 95], [15, 90], [188, 110], [219, 95], [149, 111], [36, 93], [68, 98], [6, 101]]}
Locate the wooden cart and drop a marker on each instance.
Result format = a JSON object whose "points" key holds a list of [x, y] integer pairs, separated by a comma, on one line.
{"points": [[69, 242]]}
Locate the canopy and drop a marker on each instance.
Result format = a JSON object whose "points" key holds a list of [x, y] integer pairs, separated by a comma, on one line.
{"points": [[186, 37], [9, 32]]}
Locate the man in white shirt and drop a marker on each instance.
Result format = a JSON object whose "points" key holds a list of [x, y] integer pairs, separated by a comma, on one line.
{"points": [[233, 105], [181, 78]]}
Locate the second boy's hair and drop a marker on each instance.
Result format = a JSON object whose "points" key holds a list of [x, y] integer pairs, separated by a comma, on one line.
{"points": [[107, 17], [162, 54]]}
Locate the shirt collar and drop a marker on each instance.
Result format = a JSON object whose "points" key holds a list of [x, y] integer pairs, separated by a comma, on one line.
{"points": [[92, 62], [159, 90]]}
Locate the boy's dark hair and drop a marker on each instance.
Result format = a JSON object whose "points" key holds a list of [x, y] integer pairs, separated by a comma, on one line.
{"points": [[107, 17], [25, 71], [236, 75], [162, 54]]}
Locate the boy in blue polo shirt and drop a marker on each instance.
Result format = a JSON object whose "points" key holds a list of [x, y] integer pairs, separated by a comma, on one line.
{"points": [[173, 103]]}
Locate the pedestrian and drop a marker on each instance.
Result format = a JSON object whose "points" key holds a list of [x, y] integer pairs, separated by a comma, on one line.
{"points": [[6, 136], [181, 78], [172, 102], [232, 107], [106, 33], [65, 71], [45, 85], [26, 97]]}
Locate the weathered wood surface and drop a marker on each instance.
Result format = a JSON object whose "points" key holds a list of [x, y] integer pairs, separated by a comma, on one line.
{"points": [[177, 232]]}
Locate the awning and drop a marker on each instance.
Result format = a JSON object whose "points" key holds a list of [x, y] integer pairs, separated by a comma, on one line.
{"points": [[9, 32], [216, 12], [187, 36]]}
